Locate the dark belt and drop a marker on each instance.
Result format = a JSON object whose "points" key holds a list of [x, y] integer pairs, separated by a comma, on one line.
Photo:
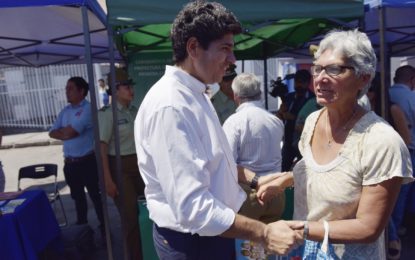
{"points": [[123, 156], [79, 159]]}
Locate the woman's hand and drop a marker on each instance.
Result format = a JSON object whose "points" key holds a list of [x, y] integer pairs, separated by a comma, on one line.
{"points": [[269, 190], [271, 185]]}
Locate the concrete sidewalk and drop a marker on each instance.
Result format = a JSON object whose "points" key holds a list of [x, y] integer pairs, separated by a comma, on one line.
{"points": [[27, 140]]}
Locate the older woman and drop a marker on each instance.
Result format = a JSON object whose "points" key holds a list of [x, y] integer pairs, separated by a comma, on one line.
{"points": [[353, 162]]}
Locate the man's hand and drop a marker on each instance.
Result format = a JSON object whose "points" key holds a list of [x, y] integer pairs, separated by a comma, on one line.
{"points": [[298, 227], [111, 188], [281, 237]]}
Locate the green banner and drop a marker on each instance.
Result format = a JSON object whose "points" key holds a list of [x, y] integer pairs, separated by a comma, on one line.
{"points": [[146, 69]]}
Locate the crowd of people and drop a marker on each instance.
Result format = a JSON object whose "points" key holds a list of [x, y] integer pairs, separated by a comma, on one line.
{"points": [[213, 169]]}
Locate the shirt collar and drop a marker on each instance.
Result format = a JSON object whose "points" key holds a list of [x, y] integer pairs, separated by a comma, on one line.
{"points": [[186, 79], [120, 107], [81, 104], [256, 103]]}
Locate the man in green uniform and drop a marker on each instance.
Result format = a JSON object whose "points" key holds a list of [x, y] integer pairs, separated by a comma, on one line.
{"points": [[132, 183], [223, 100]]}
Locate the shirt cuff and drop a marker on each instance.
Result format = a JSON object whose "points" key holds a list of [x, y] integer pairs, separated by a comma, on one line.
{"points": [[220, 221]]}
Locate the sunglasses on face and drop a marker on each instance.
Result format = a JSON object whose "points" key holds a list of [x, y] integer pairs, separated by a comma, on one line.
{"points": [[331, 70]]}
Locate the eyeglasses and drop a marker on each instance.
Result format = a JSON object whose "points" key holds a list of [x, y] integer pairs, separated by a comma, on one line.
{"points": [[331, 70]]}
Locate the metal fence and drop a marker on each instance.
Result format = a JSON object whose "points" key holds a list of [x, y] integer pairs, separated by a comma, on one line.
{"points": [[33, 97]]}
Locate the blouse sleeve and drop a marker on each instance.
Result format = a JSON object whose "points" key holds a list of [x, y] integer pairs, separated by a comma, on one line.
{"points": [[384, 156]]}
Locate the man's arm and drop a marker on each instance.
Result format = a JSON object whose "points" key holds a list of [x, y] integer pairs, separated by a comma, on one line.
{"points": [[245, 175], [110, 186], [64, 133]]}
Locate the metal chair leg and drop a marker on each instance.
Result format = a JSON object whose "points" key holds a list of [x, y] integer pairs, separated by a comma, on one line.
{"points": [[65, 223]]}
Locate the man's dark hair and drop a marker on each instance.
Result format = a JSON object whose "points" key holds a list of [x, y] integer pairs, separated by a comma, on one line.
{"points": [[206, 21], [404, 74], [80, 83], [303, 76]]}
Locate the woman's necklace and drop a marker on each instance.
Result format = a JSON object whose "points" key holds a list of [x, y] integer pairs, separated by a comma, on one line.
{"points": [[330, 138]]}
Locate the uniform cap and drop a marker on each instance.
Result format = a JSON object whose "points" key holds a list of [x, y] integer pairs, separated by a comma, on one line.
{"points": [[121, 78]]}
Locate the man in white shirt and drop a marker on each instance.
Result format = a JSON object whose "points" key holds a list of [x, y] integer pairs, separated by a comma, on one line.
{"points": [[255, 137], [185, 160]]}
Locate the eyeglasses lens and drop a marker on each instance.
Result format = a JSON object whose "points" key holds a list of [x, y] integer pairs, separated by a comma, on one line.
{"points": [[332, 70]]}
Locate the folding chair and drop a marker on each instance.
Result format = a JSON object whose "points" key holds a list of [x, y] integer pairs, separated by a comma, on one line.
{"points": [[40, 171]]}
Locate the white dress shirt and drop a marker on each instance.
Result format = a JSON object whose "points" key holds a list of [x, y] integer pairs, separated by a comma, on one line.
{"points": [[255, 137], [184, 158]]}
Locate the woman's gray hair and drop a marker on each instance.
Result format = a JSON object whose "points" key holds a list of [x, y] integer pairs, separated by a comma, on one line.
{"points": [[356, 48], [247, 87]]}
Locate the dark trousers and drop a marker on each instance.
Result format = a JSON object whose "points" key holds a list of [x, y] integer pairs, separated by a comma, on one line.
{"points": [[133, 187], [173, 245], [79, 175]]}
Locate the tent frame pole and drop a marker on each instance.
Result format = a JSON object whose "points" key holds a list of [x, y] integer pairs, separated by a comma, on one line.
{"points": [[116, 132], [94, 110], [266, 83], [384, 66]]}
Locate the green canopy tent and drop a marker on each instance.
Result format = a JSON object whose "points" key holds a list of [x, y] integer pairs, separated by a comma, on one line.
{"points": [[143, 12], [142, 30], [254, 43]]}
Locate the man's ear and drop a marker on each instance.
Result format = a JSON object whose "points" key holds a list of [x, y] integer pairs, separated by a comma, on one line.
{"points": [[192, 46], [236, 99]]}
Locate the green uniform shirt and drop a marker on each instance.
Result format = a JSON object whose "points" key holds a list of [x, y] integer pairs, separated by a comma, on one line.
{"points": [[126, 116], [223, 105]]}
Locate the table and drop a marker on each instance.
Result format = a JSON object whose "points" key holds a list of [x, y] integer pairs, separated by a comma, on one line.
{"points": [[30, 229]]}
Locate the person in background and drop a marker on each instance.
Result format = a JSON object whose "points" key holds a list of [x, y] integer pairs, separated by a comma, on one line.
{"points": [[255, 137], [400, 95], [74, 127], [184, 158], [350, 174], [133, 185], [309, 107], [288, 112], [223, 101], [2, 177], [103, 97]]}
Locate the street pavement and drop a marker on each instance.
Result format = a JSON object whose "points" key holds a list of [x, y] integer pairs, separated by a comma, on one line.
{"points": [[21, 150]]}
